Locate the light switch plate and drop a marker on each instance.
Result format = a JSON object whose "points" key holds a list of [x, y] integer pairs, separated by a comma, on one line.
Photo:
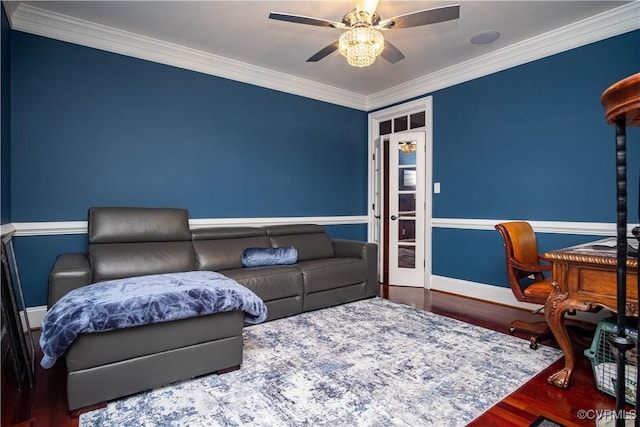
{"points": [[436, 188]]}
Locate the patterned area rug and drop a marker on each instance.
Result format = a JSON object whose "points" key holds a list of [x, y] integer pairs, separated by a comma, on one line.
{"points": [[368, 363]]}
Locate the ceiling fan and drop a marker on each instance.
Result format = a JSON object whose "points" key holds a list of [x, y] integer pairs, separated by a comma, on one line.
{"points": [[363, 42]]}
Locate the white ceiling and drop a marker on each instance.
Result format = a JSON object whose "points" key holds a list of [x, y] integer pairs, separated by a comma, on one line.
{"points": [[239, 35]]}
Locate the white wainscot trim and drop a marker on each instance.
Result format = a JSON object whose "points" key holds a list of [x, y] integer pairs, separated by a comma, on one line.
{"points": [[35, 316], [6, 229], [260, 222], [49, 228], [80, 227], [553, 227], [498, 295]]}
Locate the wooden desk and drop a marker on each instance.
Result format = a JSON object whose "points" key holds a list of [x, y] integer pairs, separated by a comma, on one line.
{"points": [[584, 279]]}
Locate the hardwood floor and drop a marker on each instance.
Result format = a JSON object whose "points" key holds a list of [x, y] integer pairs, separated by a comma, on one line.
{"points": [[45, 405]]}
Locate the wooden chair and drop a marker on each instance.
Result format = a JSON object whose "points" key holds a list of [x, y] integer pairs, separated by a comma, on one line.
{"points": [[526, 277]]}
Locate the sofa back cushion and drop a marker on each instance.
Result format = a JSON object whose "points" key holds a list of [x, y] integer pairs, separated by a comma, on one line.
{"points": [[127, 242], [134, 225], [220, 248], [310, 240], [120, 260]]}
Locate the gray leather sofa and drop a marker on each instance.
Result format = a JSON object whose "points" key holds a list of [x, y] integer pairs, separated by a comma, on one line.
{"points": [[129, 242]]}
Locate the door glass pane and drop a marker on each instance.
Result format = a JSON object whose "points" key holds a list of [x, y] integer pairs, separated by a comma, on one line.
{"points": [[417, 120], [407, 153], [385, 127], [407, 205], [406, 256], [407, 230], [406, 240], [400, 124], [407, 179]]}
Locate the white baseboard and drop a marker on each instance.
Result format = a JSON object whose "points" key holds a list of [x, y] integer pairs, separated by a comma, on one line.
{"points": [[497, 294], [35, 316], [480, 291]]}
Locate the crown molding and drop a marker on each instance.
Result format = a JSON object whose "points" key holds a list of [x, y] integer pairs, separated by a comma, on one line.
{"points": [[10, 8], [34, 20], [599, 27]]}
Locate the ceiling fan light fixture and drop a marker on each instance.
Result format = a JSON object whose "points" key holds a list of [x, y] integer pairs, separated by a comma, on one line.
{"points": [[361, 45]]}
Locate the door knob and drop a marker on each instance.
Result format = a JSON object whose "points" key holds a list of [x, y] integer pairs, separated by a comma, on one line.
{"points": [[393, 217]]}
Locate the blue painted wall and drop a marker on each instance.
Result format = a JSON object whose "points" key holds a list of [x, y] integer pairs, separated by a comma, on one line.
{"points": [[92, 128], [530, 143], [5, 112], [96, 128]]}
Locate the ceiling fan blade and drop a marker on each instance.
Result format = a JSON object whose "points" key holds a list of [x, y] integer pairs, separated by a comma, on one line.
{"points": [[324, 52], [299, 19], [391, 53], [423, 17], [368, 6]]}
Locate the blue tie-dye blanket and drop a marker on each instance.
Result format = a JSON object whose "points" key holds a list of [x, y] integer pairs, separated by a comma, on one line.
{"points": [[135, 301]]}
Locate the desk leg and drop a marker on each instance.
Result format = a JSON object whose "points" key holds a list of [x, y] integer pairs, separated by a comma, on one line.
{"points": [[555, 308]]}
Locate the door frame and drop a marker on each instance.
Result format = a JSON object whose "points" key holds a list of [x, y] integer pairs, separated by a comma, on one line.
{"points": [[423, 104]]}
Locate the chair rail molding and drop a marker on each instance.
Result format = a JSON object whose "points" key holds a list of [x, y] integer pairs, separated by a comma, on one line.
{"points": [[81, 227], [553, 227], [6, 229]]}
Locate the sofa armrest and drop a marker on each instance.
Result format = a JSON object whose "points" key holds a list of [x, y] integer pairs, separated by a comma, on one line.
{"points": [[70, 271], [364, 250], [344, 248]]}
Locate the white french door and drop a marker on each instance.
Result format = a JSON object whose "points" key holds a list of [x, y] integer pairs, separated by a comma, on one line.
{"points": [[400, 180], [406, 209]]}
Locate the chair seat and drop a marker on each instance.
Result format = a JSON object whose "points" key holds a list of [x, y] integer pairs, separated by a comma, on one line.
{"points": [[540, 290]]}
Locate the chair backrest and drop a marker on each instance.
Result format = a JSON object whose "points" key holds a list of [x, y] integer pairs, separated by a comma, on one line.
{"points": [[520, 245]]}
